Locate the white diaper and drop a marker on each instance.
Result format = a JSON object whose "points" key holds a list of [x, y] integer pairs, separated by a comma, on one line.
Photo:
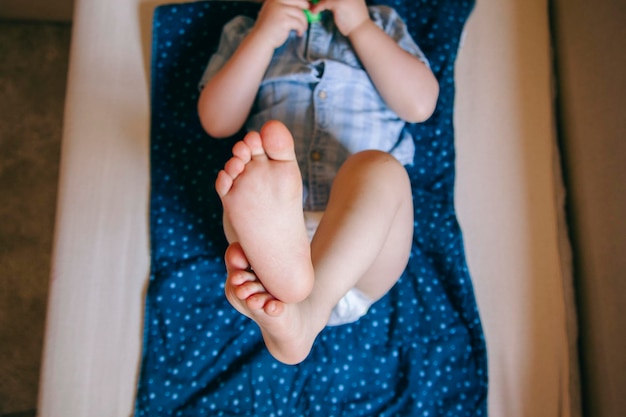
{"points": [[350, 308], [312, 219], [355, 303]]}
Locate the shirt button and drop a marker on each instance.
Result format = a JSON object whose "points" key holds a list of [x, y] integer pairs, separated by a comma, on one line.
{"points": [[316, 156], [323, 95]]}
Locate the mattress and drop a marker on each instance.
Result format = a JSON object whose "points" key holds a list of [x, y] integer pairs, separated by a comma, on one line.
{"points": [[508, 200]]}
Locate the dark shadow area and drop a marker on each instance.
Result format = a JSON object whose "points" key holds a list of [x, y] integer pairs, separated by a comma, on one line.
{"points": [[33, 73]]}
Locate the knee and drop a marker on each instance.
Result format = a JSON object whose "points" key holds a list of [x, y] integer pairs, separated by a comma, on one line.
{"points": [[376, 165], [375, 171]]}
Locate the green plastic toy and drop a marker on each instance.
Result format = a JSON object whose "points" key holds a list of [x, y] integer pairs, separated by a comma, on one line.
{"points": [[312, 17]]}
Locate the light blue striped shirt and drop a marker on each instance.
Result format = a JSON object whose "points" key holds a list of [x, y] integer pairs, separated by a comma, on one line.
{"points": [[316, 85]]}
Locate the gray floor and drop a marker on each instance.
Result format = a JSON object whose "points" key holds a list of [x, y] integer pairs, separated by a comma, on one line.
{"points": [[33, 72]]}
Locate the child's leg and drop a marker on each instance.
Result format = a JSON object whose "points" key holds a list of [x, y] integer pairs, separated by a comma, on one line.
{"points": [[363, 240], [365, 236]]}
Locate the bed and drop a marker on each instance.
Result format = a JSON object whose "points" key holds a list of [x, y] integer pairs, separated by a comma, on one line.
{"points": [[508, 199]]}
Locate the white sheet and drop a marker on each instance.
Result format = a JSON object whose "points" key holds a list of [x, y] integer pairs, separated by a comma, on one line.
{"points": [[507, 200], [509, 203]]}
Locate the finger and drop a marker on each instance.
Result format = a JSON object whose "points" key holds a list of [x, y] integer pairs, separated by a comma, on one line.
{"points": [[301, 4], [297, 20], [322, 5]]}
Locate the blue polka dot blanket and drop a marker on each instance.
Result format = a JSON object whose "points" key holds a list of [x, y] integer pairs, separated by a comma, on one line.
{"points": [[419, 351]]}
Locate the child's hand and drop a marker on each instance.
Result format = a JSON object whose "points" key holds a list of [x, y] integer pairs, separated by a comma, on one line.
{"points": [[348, 14], [278, 18]]}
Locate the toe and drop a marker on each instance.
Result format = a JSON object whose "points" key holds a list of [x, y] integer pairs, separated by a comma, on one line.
{"points": [[234, 167], [238, 277], [249, 289], [254, 143], [223, 183], [242, 151], [236, 258], [274, 308], [258, 301], [277, 141]]}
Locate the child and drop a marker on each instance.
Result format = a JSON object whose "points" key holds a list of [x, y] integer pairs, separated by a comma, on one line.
{"points": [[325, 104]]}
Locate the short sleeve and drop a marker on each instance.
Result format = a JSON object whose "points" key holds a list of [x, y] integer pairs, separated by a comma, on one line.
{"points": [[232, 35], [391, 22]]}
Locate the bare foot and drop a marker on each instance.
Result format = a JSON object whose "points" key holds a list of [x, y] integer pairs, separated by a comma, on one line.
{"points": [[261, 191], [288, 330]]}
